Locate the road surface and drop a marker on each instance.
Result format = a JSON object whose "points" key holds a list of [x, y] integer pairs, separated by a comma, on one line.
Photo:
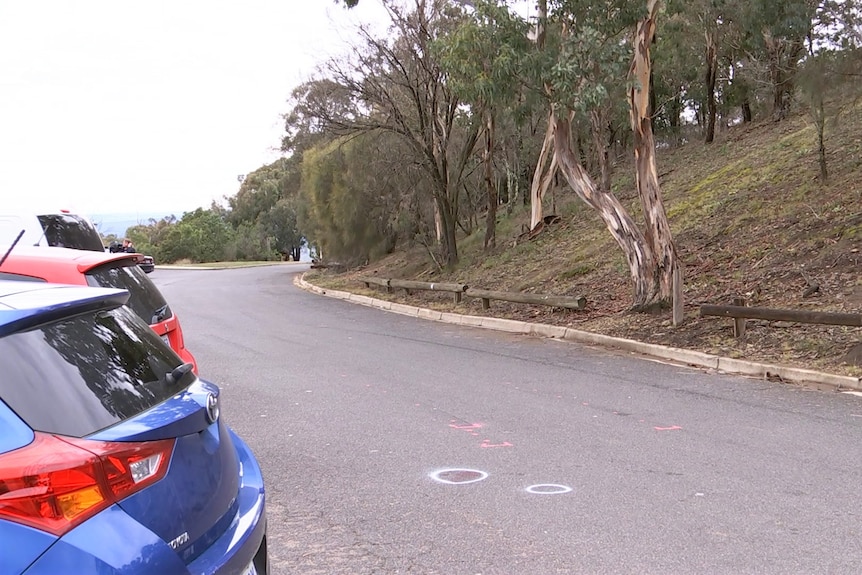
{"points": [[397, 445]]}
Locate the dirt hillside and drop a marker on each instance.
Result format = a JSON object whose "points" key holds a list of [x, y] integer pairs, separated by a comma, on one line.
{"points": [[750, 218]]}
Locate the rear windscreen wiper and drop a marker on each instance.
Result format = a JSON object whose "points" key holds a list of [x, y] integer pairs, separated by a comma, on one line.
{"points": [[12, 247], [175, 375], [159, 314]]}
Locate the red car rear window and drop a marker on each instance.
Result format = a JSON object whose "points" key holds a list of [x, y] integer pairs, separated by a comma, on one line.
{"points": [[145, 298]]}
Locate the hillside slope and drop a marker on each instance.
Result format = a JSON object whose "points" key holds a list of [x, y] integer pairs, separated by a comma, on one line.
{"points": [[750, 219]]}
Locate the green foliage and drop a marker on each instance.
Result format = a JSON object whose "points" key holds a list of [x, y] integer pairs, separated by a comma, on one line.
{"points": [[418, 94], [263, 212], [486, 55], [200, 236], [347, 216]]}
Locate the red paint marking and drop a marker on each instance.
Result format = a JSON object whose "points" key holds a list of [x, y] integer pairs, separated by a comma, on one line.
{"points": [[466, 427], [671, 428], [487, 443]]}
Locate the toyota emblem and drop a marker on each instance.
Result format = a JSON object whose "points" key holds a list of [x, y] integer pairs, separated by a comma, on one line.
{"points": [[212, 408]]}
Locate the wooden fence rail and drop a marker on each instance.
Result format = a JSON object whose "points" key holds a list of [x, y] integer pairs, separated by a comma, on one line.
{"points": [[410, 285], [568, 302], [741, 312], [377, 281]]}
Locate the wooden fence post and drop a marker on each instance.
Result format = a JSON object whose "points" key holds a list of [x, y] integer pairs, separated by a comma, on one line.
{"points": [[739, 322], [678, 313]]}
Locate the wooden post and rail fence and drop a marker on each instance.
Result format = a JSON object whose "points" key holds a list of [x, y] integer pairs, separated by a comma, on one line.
{"points": [[740, 312], [461, 290]]}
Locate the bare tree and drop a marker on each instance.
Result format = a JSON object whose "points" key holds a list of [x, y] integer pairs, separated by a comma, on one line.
{"points": [[396, 85]]}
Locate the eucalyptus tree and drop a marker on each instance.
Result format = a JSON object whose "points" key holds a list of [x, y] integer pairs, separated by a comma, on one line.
{"points": [[676, 73], [774, 34], [700, 31], [595, 46], [832, 61], [258, 192], [482, 57], [583, 49], [397, 85]]}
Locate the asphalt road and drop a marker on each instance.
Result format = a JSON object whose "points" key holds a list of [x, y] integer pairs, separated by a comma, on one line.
{"points": [[571, 459]]}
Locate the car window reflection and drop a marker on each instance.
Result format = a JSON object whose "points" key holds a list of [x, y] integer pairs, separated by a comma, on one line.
{"points": [[92, 371], [69, 231], [145, 298]]}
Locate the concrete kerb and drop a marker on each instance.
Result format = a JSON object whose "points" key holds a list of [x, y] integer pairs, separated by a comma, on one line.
{"points": [[673, 354]]}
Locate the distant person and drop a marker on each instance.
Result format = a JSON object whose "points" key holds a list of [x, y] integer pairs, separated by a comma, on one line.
{"points": [[128, 247]]}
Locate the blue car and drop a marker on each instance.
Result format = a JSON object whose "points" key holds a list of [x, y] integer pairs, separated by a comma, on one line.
{"points": [[114, 457]]}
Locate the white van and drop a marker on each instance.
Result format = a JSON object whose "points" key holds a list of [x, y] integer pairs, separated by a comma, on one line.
{"points": [[60, 229], [11, 225]]}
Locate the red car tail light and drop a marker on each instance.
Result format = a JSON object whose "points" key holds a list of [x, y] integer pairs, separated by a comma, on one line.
{"points": [[55, 483]]}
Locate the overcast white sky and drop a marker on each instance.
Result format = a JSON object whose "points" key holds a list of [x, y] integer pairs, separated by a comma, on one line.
{"points": [[156, 106]]}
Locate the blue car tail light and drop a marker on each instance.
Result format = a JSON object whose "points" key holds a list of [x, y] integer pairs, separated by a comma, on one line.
{"points": [[56, 483]]}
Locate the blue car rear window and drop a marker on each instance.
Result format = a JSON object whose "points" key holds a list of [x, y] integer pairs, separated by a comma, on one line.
{"points": [[83, 374]]}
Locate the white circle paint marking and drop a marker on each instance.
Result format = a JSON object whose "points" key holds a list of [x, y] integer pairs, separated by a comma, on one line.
{"points": [[458, 476], [548, 489]]}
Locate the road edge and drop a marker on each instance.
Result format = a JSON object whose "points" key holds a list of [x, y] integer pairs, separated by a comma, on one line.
{"points": [[688, 357]]}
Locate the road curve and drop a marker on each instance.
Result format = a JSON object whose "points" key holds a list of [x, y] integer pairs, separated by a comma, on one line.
{"points": [[396, 445]]}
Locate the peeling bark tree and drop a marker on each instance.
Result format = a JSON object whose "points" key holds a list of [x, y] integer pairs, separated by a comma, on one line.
{"points": [[613, 213], [651, 256], [658, 233], [543, 177]]}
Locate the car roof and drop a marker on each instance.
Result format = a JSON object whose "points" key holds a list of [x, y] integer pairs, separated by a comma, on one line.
{"points": [[24, 305], [85, 260], [13, 224]]}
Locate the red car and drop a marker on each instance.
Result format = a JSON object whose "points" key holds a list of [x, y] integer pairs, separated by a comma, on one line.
{"points": [[99, 269]]}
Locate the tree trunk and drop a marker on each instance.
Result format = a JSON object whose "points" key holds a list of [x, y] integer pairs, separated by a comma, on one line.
{"points": [[711, 71], [597, 128], [438, 223], [488, 160], [747, 116], [613, 213], [658, 234], [447, 222], [821, 144], [673, 118], [541, 178], [783, 55]]}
